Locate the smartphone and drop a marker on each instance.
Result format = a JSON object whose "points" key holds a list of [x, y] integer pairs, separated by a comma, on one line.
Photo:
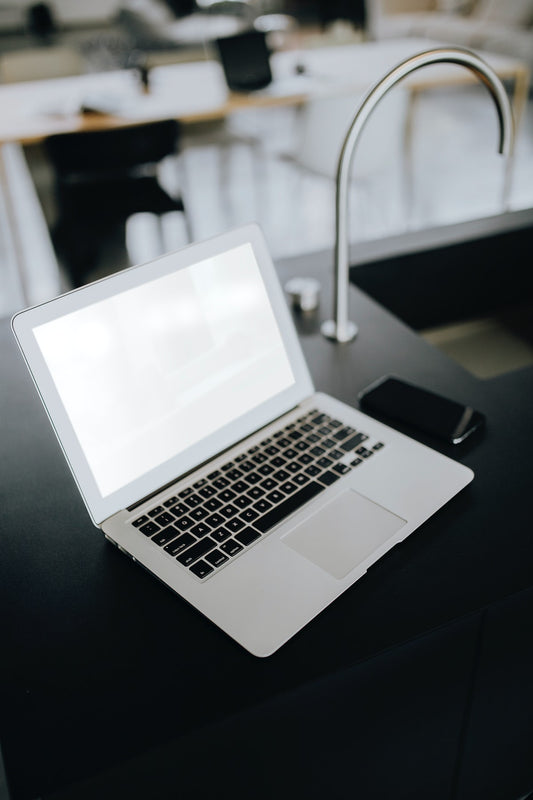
{"points": [[429, 412]]}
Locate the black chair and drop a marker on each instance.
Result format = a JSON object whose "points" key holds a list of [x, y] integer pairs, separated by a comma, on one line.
{"points": [[101, 179], [245, 59]]}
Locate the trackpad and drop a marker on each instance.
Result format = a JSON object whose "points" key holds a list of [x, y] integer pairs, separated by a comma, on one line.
{"points": [[343, 533]]}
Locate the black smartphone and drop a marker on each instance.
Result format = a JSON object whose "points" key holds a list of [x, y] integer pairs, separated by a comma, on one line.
{"points": [[429, 412]]}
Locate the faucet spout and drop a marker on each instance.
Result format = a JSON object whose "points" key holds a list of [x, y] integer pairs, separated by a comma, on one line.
{"points": [[341, 329]]}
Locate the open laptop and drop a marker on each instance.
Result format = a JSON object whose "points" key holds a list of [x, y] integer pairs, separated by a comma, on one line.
{"points": [[184, 406]]}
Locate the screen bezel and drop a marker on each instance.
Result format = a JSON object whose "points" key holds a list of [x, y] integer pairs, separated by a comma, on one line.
{"points": [[24, 323]]}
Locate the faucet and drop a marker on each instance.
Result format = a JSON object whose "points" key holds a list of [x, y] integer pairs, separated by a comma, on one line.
{"points": [[341, 329]]}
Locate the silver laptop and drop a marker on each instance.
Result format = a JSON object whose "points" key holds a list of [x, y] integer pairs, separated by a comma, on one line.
{"points": [[183, 404]]}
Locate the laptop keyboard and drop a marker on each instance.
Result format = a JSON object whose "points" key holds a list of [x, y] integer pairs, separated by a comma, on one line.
{"points": [[210, 522]]}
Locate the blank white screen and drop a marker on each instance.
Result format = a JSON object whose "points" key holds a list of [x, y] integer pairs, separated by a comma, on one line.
{"points": [[148, 373]]}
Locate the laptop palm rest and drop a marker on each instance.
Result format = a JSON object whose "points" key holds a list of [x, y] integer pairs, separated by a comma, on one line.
{"points": [[343, 533]]}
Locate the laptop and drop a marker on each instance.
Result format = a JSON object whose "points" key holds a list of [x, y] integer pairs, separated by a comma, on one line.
{"points": [[184, 406]]}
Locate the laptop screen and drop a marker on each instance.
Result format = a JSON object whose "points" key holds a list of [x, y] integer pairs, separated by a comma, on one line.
{"points": [[152, 371]]}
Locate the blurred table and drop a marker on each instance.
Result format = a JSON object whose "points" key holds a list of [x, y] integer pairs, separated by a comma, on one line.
{"points": [[196, 91]]}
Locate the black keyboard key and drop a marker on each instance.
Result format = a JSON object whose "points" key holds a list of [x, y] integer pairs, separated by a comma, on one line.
{"points": [[378, 446], [329, 477], [262, 506], [281, 475], [353, 441], [235, 524], [216, 558], [305, 459], [319, 419], [328, 443], [213, 504], [208, 491], [247, 536], [293, 467], [165, 536], [242, 501], [324, 430], [214, 520], [196, 551], [221, 483], [141, 521], [231, 548], [181, 543], [290, 453], [240, 487], [260, 458], [313, 471], [266, 469], [336, 454], [149, 529], [199, 513], [278, 461], [213, 475], [272, 450], [300, 479], [180, 509], [221, 534], [356, 462], [201, 569], [254, 477], [364, 453], [342, 469], [184, 523], [194, 500], [288, 487], [256, 492], [312, 438], [155, 511], [284, 442], [249, 515], [317, 451], [276, 496], [343, 433], [234, 474], [226, 495], [269, 484], [201, 529], [200, 483], [291, 504], [335, 423], [324, 462], [185, 492], [228, 466], [295, 435], [171, 501], [247, 466], [301, 445], [228, 511]]}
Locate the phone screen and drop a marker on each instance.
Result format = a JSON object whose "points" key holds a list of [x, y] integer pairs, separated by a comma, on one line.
{"points": [[422, 409]]}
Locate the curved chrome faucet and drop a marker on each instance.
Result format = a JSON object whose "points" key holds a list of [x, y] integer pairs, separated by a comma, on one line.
{"points": [[340, 328]]}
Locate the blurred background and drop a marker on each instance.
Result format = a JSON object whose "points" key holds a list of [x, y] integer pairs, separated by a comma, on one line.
{"points": [[130, 128]]}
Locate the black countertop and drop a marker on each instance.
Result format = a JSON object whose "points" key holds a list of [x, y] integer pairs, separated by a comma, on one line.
{"points": [[113, 686]]}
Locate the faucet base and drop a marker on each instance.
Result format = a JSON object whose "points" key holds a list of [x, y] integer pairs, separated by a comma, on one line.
{"points": [[339, 334]]}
